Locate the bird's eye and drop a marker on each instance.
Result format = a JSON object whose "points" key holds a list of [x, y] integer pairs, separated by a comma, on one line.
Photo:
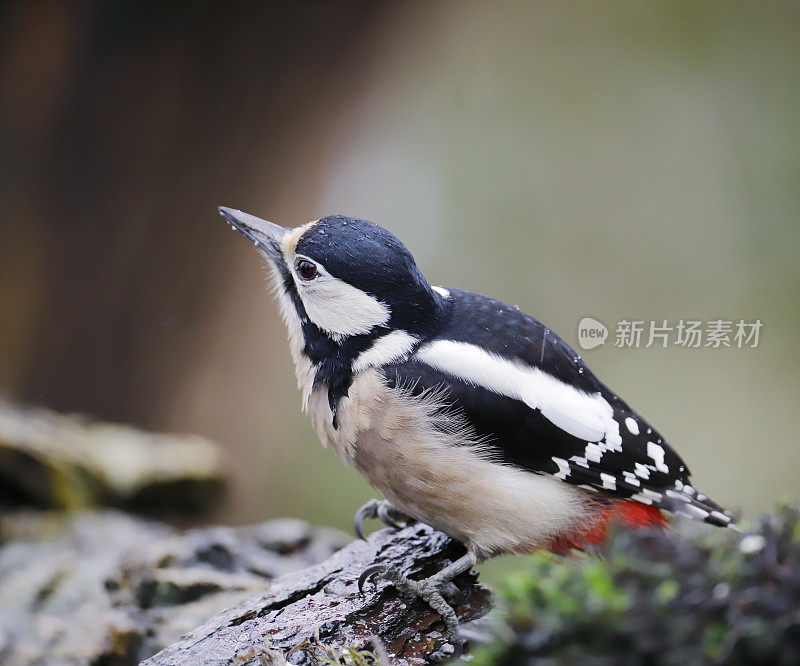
{"points": [[305, 269]]}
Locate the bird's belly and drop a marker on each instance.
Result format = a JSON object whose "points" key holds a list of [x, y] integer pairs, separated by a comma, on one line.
{"points": [[433, 472], [491, 507], [427, 464]]}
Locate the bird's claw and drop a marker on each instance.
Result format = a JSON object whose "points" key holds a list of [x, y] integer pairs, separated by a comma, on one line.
{"points": [[427, 589], [369, 572], [381, 510], [390, 516]]}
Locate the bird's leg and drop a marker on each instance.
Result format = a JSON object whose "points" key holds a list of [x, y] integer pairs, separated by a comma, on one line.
{"points": [[383, 511], [429, 589]]}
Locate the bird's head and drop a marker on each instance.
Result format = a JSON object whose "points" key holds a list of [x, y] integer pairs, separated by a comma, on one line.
{"points": [[344, 276]]}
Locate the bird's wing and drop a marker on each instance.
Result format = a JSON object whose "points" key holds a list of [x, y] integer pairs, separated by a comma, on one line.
{"points": [[536, 404]]}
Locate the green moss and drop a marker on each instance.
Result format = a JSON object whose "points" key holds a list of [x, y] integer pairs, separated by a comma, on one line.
{"points": [[697, 595]]}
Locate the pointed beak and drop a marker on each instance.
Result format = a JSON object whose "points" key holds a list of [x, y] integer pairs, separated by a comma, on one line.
{"points": [[266, 236]]}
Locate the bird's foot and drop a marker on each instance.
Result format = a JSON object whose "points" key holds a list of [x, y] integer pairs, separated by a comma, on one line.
{"points": [[383, 511], [431, 590]]}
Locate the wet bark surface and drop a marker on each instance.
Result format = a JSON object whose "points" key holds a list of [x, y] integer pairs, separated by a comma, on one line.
{"points": [[314, 614], [104, 587]]}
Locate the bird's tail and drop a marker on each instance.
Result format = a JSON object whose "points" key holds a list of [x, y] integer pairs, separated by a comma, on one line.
{"points": [[688, 501]]}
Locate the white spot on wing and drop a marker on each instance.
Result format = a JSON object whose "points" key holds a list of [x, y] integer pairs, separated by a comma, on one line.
{"points": [[578, 460], [442, 291], [632, 425], [656, 452], [631, 479], [702, 514], [678, 496], [563, 468], [594, 452], [613, 438], [609, 481], [651, 494]]}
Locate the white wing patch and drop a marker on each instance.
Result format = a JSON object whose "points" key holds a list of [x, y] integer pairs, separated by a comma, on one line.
{"points": [[582, 415]]}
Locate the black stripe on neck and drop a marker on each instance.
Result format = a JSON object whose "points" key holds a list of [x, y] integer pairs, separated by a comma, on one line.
{"points": [[333, 360]]}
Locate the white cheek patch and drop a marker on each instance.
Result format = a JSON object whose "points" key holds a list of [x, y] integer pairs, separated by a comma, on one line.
{"points": [[587, 417], [338, 308], [341, 309]]}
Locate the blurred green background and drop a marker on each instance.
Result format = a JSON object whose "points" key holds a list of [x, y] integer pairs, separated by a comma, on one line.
{"points": [[623, 160]]}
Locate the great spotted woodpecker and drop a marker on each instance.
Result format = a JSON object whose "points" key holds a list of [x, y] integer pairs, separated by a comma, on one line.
{"points": [[466, 413]]}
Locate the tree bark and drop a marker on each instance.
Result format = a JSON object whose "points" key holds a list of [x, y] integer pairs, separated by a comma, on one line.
{"points": [[318, 613]]}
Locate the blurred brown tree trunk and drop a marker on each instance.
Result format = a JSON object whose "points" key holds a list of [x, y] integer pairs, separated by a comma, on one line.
{"points": [[122, 125]]}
